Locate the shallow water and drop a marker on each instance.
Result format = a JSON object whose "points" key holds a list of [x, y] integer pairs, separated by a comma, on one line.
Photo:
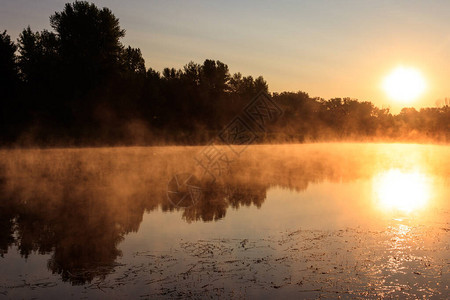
{"points": [[319, 220]]}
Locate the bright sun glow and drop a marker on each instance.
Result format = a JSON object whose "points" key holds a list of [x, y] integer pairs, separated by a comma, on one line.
{"points": [[404, 84], [399, 191]]}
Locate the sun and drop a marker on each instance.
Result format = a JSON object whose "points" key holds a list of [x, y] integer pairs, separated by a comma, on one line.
{"points": [[404, 84]]}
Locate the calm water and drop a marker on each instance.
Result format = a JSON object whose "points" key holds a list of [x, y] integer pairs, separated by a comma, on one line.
{"points": [[321, 220]]}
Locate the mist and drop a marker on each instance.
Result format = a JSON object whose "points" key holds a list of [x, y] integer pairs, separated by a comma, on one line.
{"points": [[121, 181]]}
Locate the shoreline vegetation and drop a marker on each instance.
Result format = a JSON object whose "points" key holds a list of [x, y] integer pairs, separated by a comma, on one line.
{"points": [[78, 85]]}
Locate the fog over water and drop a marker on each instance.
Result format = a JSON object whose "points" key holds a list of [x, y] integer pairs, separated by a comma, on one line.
{"points": [[320, 219]]}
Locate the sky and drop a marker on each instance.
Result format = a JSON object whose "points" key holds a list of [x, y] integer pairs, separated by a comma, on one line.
{"points": [[325, 48]]}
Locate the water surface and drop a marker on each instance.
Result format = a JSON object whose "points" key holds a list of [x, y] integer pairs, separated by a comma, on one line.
{"points": [[319, 220]]}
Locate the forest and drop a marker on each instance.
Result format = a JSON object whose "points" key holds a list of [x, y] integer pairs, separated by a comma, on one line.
{"points": [[79, 85]]}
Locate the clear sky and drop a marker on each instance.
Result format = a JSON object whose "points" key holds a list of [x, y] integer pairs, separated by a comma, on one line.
{"points": [[325, 48]]}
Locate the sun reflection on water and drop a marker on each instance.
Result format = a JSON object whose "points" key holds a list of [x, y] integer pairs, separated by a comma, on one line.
{"points": [[399, 191]]}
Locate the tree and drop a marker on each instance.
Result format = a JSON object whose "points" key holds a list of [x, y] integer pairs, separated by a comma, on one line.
{"points": [[40, 69], [9, 81], [39, 57], [214, 77], [133, 61], [90, 44], [8, 64], [261, 85], [192, 73], [247, 87]]}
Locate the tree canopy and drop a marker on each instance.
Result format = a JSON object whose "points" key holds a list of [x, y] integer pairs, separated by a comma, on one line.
{"points": [[77, 84]]}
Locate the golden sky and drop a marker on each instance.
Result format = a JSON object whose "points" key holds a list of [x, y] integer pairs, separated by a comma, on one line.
{"points": [[325, 48]]}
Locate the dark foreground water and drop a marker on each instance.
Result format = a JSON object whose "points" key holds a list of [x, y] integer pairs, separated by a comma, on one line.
{"points": [[321, 220]]}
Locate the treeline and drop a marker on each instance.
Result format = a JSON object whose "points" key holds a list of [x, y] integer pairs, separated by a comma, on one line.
{"points": [[79, 85], [307, 119]]}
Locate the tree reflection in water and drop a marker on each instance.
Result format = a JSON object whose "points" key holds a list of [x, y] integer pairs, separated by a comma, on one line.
{"points": [[79, 210], [78, 205]]}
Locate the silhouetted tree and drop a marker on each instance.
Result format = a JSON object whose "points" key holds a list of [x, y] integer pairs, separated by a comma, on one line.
{"points": [[246, 86], [90, 44], [133, 61], [8, 65], [214, 76], [9, 81], [78, 84]]}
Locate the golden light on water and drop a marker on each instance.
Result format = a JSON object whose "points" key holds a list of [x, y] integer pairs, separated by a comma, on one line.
{"points": [[400, 191], [404, 84]]}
